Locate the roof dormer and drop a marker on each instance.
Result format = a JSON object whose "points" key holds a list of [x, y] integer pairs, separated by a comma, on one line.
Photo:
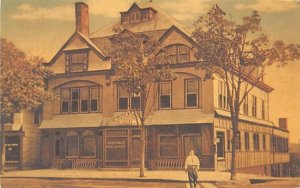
{"points": [[137, 13]]}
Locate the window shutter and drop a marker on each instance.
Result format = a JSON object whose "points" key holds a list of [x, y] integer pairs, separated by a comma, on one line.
{"points": [[67, 64], [85, 60]]}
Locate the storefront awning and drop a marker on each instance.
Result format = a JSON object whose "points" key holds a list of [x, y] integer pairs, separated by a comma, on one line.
{"points": [[245, 118], [73, 121]]}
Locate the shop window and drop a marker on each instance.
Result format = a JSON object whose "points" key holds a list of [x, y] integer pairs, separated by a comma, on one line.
{"points": [[192, 142], [238, 140], [264, 142], [228, 138], [165, 95], [220, 145], [88, 144], [256, 141], [72, 144], [247, 143], [179, 52], [168, 146], [76, 61], [191, 93], [57, 149]]}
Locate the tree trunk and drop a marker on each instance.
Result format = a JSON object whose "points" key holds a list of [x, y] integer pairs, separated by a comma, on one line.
{"points": [[143, 145], [234, 121], [2, 145]]}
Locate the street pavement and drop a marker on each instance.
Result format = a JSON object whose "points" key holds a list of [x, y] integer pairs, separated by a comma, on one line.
{"points": [[72, 178]]}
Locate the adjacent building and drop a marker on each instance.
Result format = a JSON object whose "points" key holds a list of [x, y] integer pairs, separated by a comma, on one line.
{"points": [[90, 126]]}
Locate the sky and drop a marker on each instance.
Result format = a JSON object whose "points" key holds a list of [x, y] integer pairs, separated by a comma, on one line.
{"points": [[41, 27]]}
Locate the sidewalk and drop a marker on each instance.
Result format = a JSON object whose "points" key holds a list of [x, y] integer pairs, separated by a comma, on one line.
{"points": [[151, 176]]}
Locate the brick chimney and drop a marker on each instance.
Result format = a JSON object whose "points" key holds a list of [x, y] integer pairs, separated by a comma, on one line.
{"points": [[283, 123], [82, 18]]}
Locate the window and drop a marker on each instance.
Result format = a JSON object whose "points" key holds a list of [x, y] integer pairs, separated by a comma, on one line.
{"points": [[238, 140], [254, 103], [79, 100], [135, 17], [264, 142], [76, 61], [94, 99], [247, 144], [168, 146], [84, 98], [88, 144], [72, 143], [191, 93], [125, 18], [228, 140], [144, 15], [74, 100], [263, 116], [37, 116], [222, 95], [245, 106], [124, 100], [256, 141], [135, 101], [220, 145], [179, 53], [65, 99], [165, 95], [192, 142]]}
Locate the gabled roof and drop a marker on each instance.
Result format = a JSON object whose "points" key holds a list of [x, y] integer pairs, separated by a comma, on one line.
{"points": [[184, 33], [135, 4], [161, 21], [67, 47]]}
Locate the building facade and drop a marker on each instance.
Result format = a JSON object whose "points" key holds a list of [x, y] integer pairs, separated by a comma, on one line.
{"points": [[90, 125]]}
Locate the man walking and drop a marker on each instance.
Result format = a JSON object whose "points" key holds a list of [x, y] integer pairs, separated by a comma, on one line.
{"points": [[191, 167]]}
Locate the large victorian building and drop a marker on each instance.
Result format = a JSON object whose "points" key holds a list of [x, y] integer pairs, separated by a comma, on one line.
{"points": [[91, 126]]}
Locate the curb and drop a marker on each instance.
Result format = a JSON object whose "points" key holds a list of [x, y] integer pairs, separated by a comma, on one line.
{"points": [[110, 179]]}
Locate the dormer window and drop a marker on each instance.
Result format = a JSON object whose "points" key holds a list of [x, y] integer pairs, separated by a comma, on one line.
{"points": [[76, 61], [144, 15], [125, 18], [135, 17]]}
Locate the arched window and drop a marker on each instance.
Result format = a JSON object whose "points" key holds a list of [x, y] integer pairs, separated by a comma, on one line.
{"points": [[88, 144], [179, 52], [72, 144]]}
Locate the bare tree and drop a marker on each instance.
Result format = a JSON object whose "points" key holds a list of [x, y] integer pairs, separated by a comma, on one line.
{"points": [[237, 54], [139, 62]]}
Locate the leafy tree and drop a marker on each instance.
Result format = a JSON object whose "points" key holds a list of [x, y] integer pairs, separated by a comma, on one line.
{"points": [[139, 62], [22, 84], [237, 54]]}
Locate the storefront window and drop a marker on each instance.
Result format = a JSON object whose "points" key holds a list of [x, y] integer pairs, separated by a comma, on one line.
{"points": [[88, 144], [168, 146], [72, 142]]}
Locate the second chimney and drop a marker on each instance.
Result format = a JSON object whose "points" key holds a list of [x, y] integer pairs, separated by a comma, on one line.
{"points": [[283, 123], [82, 18]]}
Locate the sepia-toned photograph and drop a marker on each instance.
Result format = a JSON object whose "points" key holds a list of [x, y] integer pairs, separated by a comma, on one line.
{"points": [[150, 93]]}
